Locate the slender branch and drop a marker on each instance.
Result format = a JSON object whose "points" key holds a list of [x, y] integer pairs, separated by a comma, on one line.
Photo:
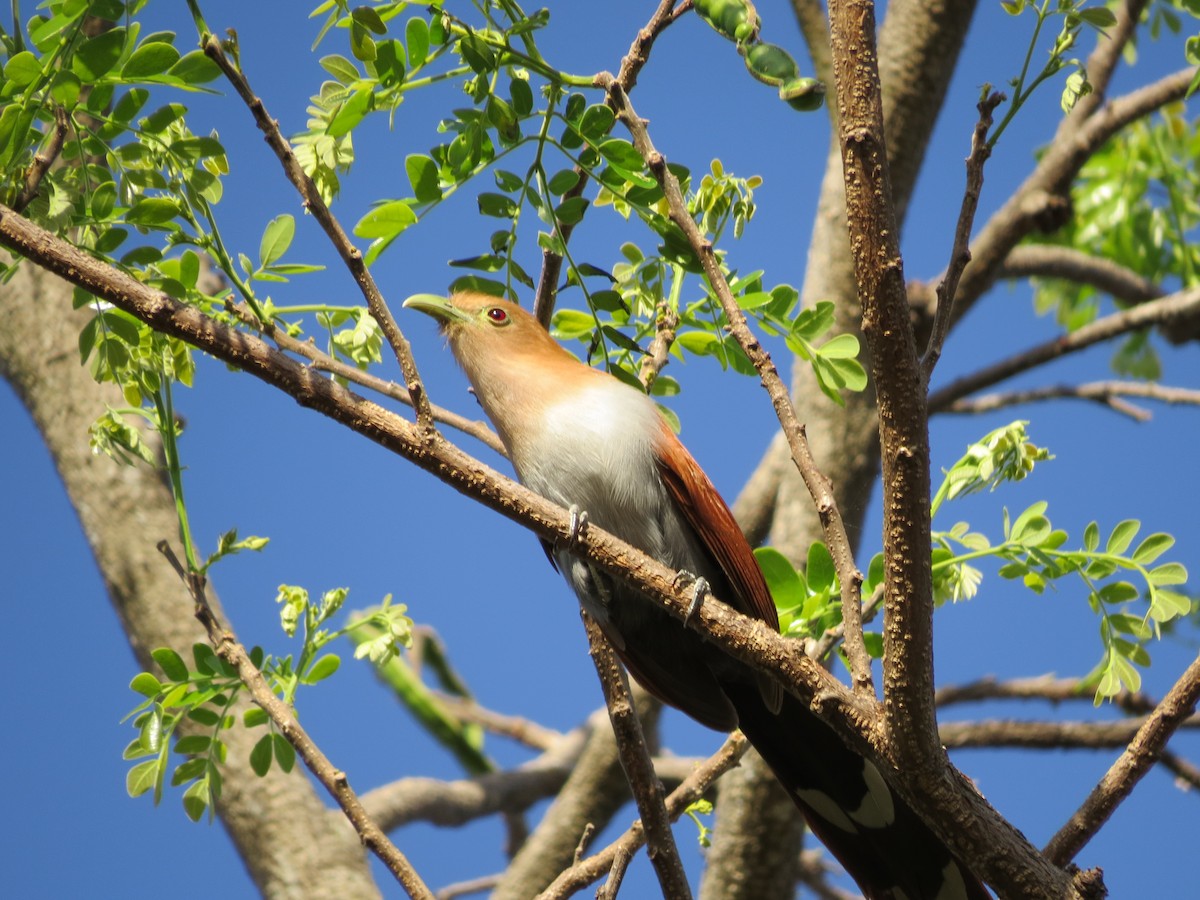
{"points": [[316, 205], [470, 886], [517, 728], [1106, 393], [1141, 754], [1040, 687], [818, 485], [1156, 312], [627, 75], [1069, 264], [692, 789], [1046, 735], [323, 362], [43, 161], [226, 645], [639, 770], [960, 254], [665, 323]]}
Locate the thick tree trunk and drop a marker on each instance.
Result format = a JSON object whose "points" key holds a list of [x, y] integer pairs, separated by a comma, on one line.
{"points": [[124, 512]]}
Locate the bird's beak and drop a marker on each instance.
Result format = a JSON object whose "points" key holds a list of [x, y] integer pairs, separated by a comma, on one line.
{"points": [[438, 307]]}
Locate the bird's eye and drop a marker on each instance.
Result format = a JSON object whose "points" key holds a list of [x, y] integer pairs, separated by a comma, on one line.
{"points": [[498, 316]]}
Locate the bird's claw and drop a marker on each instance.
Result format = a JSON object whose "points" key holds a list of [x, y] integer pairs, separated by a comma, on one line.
{"points": [[575, 528], [699, 589]]}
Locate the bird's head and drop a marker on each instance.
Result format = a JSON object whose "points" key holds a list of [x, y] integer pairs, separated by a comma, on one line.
{"points": [[479, 327]]}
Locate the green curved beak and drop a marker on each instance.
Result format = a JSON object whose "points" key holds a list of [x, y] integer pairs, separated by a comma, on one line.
{"points": [[438, 307]]}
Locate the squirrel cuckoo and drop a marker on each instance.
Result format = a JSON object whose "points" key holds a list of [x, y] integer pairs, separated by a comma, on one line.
{"points": [[587, 441]]}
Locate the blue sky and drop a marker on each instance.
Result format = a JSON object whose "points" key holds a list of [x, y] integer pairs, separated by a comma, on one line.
{"points": [[341, 511]]}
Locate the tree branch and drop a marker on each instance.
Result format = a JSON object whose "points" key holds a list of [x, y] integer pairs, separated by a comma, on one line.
{"points": [[960, 254], [692, 789], [1069, 264], [1106, 393], [1164, 310], [43, 161], [1045, 735], [1141, 754], [639, 770]]}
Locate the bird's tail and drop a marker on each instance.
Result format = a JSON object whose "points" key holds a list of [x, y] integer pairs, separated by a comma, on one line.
{"points": [[876, 836]]}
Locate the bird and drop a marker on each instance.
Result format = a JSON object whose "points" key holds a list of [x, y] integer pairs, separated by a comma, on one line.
{"points": [[582, 438]]}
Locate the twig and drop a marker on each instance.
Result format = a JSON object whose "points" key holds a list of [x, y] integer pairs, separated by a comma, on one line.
{"points": [[43, 161], [1069, 264], [313, 201], [814, 874], [1045, 735], [691, 790], [323, 362], [1141, 754], [1165, 309], [1040, 687], [960, 254], [627, 75], [1107, 393], [465, 888], [639, 770], [226, 645], [517, 728], [818, 485], [616, 874], [665, 323]]}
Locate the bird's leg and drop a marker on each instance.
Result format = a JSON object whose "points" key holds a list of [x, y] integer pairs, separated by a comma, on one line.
{"points": [[699, 589], [575, 528]]}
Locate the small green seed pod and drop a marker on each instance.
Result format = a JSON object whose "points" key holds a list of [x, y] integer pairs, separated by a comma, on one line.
{"points": [[733, 19], [771, 64], [803, 94]]}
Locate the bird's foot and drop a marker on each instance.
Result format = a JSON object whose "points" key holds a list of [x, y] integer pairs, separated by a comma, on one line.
{"points": [[575, 528], [699, 589]]}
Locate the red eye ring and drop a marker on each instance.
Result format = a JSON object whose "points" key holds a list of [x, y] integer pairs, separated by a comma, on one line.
{"points": [[497, 315]]}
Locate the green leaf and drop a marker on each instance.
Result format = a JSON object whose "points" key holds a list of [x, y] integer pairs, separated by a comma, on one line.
{"points": [[842, 346], [23, 69], [276, 239], [195, 68], [350, 113], [386, 221], [1122, 536], [193, 744], [1091, 537], [342, 69], [261, 755], [149, 60], [1117, 592], [423, 176], [819, 569], [96, 56], [146, 684], [171, 663], [622, 154], [255, 716], [416, 37], [785, 583], [1152, 548], [499, 206], [571, 210], [522, 96], [563, 181], [285, 753], [1168, 573], [369, 19], [152, 211], [141, 777], [322, 668], [196, 800]]}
